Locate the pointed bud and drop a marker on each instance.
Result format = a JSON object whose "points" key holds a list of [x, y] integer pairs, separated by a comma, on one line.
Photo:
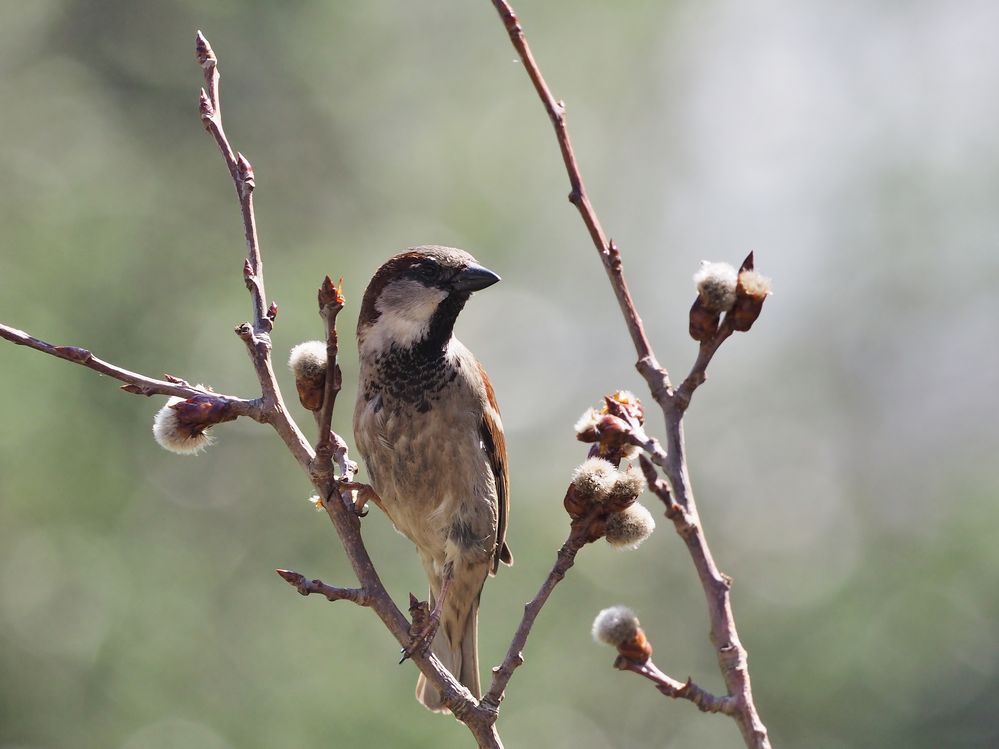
{"points": [[203, 51], [419, 613], [74, 354], [330, 295], [272, 311], [205, 108], [626, 405], [244, 171]]}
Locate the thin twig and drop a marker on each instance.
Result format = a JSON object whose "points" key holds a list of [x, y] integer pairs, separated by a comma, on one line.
{"points": [[678, 690], [609, 253], [698, 372], [318, 587], [135, 383], [331, 301], [502, 674], [242, 178], [256, 336]]}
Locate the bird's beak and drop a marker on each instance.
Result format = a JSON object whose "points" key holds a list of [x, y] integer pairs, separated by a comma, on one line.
{"points": [[473, 278]]}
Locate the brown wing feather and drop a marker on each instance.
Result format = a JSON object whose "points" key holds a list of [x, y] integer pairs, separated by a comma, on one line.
{"points": [[495, 444]]}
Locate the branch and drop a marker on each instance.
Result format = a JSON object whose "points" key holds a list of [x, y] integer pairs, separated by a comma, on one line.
{"points": [[256, 336], [579, 536], [331, 301], [698, 372], [609, 254], [135, 383], [309, 587], [340, 510], [679, 690], [731, 655], [242, 178]]}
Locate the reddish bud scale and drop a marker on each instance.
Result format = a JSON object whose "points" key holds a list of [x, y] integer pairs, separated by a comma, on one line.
{"points": [[612, 450], [311, 391], [202, 411], [637, 649], [746, 309], [330, 294], [619, 502], [610, 426], [597, 528], [576, 503], [703, 324], [625, 406]]}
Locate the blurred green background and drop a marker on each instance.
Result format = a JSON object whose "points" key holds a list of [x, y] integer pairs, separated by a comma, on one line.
{"points": [[843, 452]]}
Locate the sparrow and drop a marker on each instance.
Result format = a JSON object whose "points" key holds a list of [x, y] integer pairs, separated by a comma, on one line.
{"points": [[428, 428]]}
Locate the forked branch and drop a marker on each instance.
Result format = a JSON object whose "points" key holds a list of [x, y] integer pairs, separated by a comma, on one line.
{"points": [[731, 655]]}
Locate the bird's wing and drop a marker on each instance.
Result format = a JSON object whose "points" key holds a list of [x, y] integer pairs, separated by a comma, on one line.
{"points": [[495, 445]]}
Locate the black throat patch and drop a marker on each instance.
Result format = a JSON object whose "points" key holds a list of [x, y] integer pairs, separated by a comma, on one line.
{"points": [[409, 376], [416, 375]]}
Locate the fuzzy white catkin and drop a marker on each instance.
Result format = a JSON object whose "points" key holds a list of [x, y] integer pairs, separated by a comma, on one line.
{"points": [[755, 284], [615, 625], [628, 528], [308, 360], [716, 283], [625, 397], [171, 435], [629, 484], [595, 478], [587, 421]]}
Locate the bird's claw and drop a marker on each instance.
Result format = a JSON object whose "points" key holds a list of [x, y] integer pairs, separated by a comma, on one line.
{"points": [[362, 495]]}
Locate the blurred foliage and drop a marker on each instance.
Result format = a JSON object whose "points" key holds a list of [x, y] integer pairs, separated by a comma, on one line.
{"points": [[842, 451]]}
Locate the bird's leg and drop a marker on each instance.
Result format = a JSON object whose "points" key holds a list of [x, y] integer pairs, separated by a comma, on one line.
{"points": [[365, 494], [426, 623]]}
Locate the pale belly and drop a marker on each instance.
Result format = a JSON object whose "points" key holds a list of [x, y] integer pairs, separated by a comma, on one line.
{"points": [[435, 483]]}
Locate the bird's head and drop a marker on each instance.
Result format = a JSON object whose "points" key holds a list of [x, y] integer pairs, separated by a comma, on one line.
{"points": [[415, 297]]}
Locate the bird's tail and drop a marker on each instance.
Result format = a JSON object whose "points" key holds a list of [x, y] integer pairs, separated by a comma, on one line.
{"points": [[456, 644]]}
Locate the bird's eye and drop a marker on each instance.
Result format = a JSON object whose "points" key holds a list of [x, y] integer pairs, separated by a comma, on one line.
{"points": [[425, 272]]}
